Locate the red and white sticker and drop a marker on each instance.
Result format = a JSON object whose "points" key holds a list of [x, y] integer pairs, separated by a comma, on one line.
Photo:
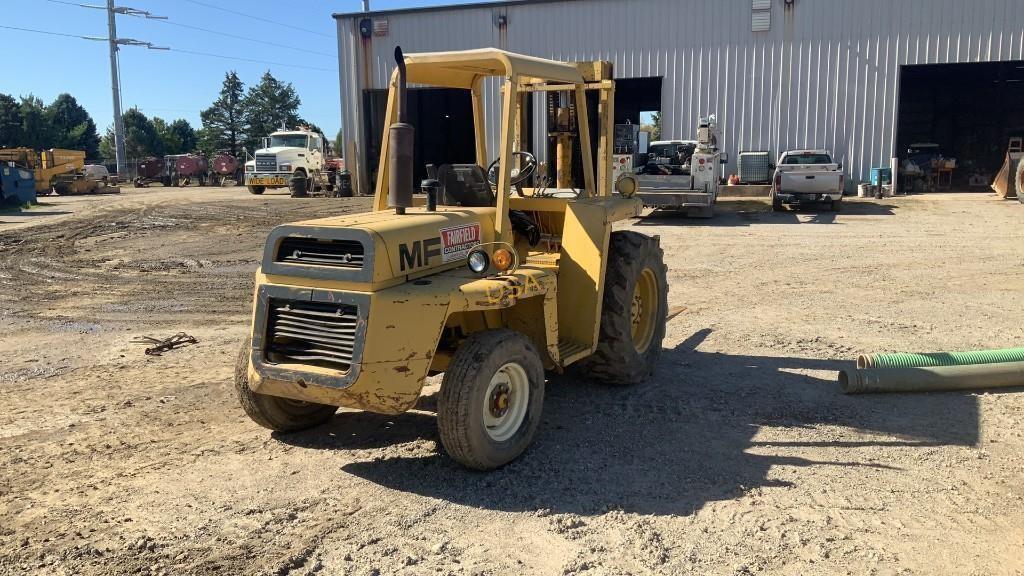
{"points": [[457, 241]]}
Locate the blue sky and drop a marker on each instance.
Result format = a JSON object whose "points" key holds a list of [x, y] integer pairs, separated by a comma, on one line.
{"points": [[174, 84]]}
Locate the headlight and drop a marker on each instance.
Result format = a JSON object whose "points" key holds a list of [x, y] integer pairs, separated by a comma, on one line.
{"points": [[478, 261], [284, 168], [250, 168]]}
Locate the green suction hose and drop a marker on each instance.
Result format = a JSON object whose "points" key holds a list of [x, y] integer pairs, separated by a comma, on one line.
{"points": [[924, 359]]}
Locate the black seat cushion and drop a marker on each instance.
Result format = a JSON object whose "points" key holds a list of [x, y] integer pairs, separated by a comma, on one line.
{"points": [[464, 185]]}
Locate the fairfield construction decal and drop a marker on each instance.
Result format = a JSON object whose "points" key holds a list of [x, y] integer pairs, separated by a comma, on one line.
{"points": [[457, 241]]}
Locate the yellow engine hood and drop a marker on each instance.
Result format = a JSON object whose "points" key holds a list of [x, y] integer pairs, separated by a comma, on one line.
{"points": [[413, 243]]}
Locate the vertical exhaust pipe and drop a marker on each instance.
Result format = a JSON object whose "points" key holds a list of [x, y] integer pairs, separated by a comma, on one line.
{"points": [[400, 147]]}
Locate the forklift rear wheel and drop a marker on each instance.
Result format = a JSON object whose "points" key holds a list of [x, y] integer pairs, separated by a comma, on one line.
{"points": [[256, 189], [273, 412], [491, 399], [633, 313]]}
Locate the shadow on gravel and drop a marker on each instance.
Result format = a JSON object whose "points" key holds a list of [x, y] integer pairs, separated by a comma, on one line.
{"points": [[360, 430], [750, 212], [668, 446]]}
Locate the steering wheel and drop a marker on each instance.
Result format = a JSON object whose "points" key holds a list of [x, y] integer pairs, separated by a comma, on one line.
{"points": [[519, 175]]}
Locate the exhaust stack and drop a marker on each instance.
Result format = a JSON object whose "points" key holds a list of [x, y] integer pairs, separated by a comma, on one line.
{"points": [[400, 147]]}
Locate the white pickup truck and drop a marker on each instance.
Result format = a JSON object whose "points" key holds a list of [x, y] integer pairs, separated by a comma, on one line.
{"points": [[807, 177]]}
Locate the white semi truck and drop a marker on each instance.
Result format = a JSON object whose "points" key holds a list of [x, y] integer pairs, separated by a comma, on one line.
{"points": [[298, 159]]}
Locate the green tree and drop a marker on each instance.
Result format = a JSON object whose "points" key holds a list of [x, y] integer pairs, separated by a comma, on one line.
{"points": [[10, 122], [184, 134], [339, 146], [140, 137], [224, 121], [72, 127], [656, 120], [267, 106], [36, 131], [178, 137]]}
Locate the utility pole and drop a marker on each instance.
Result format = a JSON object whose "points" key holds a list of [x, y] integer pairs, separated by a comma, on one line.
{"points": [[115, 78], [115, 85]]}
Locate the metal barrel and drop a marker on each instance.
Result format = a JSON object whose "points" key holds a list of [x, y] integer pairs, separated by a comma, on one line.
{"points": [[189, 164], [151, 167], [932, 378], [225, 164]]}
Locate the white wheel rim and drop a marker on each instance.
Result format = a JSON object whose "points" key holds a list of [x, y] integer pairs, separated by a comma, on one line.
{"points": [[506, 400]]}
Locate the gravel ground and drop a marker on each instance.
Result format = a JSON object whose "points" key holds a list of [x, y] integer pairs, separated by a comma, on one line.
{"points": [[739, 457]]}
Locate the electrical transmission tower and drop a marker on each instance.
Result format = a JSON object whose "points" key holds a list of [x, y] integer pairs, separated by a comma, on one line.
{"points": [[115, 76]]}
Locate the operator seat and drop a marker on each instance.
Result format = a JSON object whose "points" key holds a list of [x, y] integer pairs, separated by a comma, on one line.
{"points": [[464, 185]]}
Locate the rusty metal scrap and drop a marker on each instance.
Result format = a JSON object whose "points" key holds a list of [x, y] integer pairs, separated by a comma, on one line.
{"points": [[163, 345]]}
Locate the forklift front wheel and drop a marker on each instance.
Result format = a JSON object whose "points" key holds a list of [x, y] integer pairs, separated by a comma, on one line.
{"points": [[491, 399], [273, 412], [633, 313]]}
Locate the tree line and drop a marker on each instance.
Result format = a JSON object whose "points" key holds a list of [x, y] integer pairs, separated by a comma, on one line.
{"points": [[237, 119], [64, 123]]}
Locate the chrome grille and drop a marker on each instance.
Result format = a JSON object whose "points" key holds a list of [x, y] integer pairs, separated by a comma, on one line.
{"points": [[313, 333], [336, 253], [266, 163]]}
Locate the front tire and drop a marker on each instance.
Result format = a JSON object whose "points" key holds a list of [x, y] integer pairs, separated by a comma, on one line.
{"points": [[256, 189], [273, 412], [298, 185], [491, 399], [633, 313]]}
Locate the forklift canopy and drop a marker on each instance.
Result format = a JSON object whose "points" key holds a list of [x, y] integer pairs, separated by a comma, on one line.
{"points": [[461, 69]]}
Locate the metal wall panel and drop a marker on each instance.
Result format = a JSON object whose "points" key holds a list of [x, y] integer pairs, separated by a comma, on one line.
{"points": [[825, 75]]}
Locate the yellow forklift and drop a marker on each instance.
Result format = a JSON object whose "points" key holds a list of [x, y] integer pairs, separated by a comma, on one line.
{"points": [[482, 277]]}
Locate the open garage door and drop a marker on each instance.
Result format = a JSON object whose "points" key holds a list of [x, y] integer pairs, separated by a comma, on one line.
{"points": [[636, 95], [969, 110], [443, 118]]}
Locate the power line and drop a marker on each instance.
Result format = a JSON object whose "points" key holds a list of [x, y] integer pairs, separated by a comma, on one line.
{"points": [[244, 15], [49, 33], [257, 40], [250, 60], [254, 60], [201, 29]]}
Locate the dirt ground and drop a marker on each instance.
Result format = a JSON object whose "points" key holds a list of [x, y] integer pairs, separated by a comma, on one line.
{"points": [[739, 457]]}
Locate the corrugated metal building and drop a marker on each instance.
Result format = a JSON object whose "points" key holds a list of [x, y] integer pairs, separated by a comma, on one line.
{"points": [[779, 74]]}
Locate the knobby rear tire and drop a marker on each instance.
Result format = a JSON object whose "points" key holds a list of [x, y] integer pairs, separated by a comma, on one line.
{"points": [[616, 360]]}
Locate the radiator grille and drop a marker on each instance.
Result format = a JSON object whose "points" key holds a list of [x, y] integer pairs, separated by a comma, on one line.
{"points": [[313, 333], [266, 163], [335, 253]]}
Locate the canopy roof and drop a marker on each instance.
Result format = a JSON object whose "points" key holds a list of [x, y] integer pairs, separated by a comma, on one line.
{"points": [[461, 68]]}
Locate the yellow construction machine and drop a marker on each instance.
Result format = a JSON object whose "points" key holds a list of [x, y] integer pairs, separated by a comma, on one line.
{"points": [[482, 278], [57, 170]]}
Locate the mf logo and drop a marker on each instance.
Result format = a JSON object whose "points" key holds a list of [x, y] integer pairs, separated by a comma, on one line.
{"points": [[419, 253]]}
